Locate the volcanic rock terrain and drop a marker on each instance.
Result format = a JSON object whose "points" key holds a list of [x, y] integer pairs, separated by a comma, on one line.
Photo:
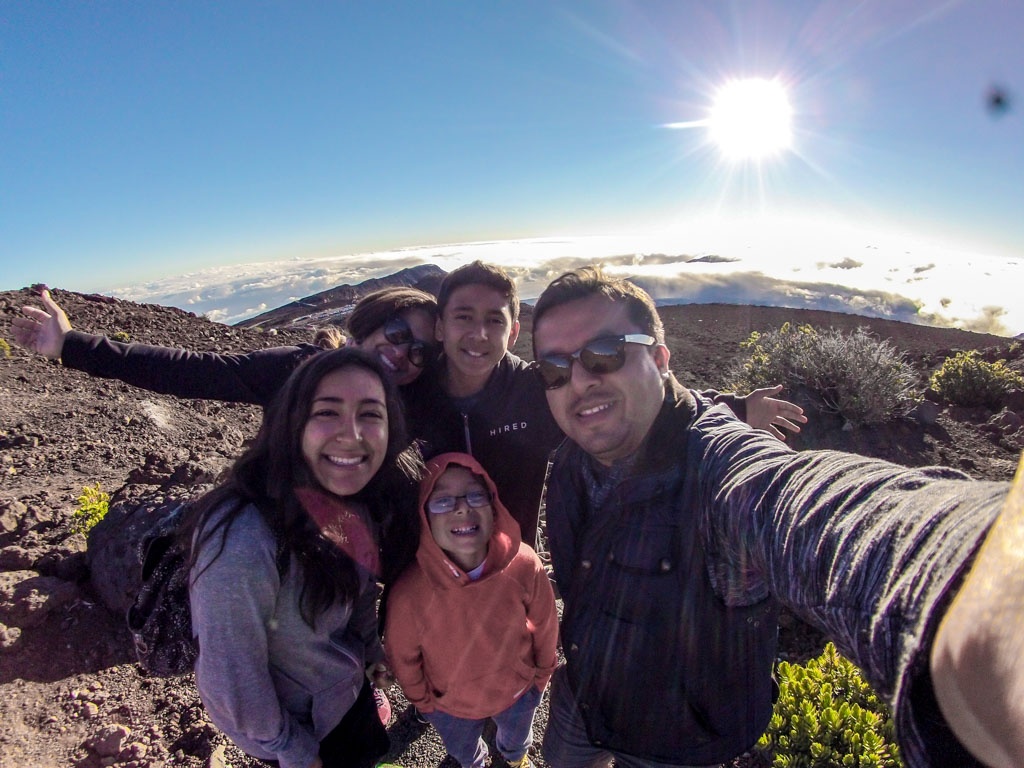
{"points": [[70, 694]]}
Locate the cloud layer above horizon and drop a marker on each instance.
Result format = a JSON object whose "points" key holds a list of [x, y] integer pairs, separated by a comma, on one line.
{"points": [[894, 280]]}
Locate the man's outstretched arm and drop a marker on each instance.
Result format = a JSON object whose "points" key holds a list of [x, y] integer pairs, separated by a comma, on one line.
{"points": [[765, 411], [977, 660]]}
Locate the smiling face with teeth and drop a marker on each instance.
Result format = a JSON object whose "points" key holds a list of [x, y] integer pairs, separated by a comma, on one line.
{"points": [[476, 329], [395, 357], [464, 532], [607, 415], [345, 438]]}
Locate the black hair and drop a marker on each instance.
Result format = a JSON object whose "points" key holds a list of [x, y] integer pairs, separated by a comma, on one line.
{"points": [[480, 273], [375, 309], [590, 281]]}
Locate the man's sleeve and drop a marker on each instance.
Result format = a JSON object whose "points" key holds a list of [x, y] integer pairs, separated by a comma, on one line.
{"points": [[254, 377], [735, 403], [864, 550]]}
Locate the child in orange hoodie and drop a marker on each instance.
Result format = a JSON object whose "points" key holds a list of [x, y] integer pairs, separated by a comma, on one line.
{"points": [[471, 625]]}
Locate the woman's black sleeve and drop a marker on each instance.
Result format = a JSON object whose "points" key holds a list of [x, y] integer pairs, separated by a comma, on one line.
{"points": [[252, 377]]}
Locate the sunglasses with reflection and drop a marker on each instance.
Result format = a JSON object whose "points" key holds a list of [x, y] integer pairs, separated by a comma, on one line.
{"points": [[420, 353], [606, 354]]}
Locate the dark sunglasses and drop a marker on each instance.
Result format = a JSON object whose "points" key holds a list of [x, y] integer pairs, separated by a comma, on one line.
{"points": [[397, 332], [442, 505], [606, 354]]}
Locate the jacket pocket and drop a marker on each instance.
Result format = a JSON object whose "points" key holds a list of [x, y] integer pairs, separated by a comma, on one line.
{"points": [[331, 704], [488, 693], [294, 696]]}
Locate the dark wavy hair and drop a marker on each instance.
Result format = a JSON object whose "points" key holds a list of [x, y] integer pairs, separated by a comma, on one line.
{"points": [[480, 273], [590, 281], [268, 473], [375, 309]]}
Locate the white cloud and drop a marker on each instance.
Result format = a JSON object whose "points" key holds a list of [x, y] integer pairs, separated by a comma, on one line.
{"points": [[846, 263], [729, 264]]}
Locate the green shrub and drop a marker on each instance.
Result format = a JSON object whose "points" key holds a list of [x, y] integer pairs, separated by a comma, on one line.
{"points": [[121, 336], [92, 507], [5, 347], [863, 379], [966, 379], [825, 716]]}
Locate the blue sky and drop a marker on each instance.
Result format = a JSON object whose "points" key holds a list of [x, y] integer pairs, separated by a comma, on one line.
{"points": [[141, 141]]}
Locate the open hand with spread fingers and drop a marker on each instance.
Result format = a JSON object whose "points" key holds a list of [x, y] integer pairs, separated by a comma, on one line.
{"points": [[42, 331], [766, 412]]}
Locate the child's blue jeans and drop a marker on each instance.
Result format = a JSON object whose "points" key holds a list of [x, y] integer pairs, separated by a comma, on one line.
{"points": [[463, 738]]}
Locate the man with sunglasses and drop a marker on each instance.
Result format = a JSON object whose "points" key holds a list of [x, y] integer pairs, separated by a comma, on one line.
{"points": [[676, 532]]}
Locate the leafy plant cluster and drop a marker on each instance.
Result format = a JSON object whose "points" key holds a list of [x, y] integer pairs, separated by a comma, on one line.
{"points": [[92, 507], [967, 379], [827, 716], [863, 379]]}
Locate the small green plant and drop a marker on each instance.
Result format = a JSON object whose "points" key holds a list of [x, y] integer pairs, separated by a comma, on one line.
{"points": [[966, 379], [121, 336], [826, 716], [92, 507], [5, 347], [863, 379]]}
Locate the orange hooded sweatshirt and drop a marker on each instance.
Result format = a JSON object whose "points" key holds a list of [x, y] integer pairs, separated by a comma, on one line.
{"points": [[471, 648]]}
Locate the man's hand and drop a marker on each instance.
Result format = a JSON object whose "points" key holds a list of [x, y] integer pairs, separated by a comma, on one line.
{"points": [[977, 660], [41, 331], [767, 413], [380, 675]]}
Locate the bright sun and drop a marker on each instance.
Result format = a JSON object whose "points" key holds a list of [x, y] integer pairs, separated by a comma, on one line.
{"points": [[750, 119]]}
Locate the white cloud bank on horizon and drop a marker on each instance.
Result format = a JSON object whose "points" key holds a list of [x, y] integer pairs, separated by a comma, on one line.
{"points": [[878, 276]]}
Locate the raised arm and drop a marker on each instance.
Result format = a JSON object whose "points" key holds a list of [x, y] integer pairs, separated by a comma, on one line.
{"points": [[42, 330], [977, 661], [252, 377]]}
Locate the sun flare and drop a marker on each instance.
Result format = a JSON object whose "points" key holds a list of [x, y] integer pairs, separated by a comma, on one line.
{"points": [[751, 119]]}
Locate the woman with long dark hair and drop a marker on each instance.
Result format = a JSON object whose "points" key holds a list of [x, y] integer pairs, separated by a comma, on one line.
{"points": [[284, 564]]}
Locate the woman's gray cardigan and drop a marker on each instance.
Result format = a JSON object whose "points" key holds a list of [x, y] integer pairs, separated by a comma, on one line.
{"points": [[272, 683]]}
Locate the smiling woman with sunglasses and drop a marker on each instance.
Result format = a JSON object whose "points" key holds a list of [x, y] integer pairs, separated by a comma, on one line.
{"points": [[396, 325], [403, 352]]}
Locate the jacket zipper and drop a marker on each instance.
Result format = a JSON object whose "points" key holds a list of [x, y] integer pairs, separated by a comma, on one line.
{"points": [[465, 433]]}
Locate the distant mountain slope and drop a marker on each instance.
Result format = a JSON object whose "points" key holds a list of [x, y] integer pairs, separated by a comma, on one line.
{"points": [[332, 306]]}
